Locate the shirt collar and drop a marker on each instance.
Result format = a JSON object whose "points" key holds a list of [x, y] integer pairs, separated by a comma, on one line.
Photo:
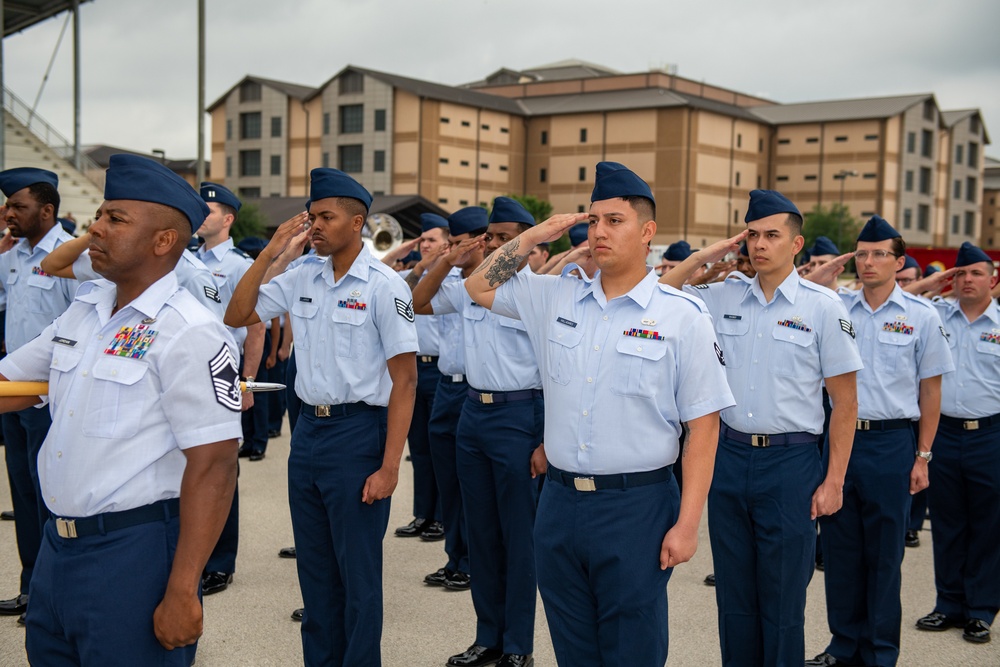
{"points": [[359, 267], [221, 249], [149, 303], [992, 312], [789, 288], [48, 242], [640, 294], [896, 297]]}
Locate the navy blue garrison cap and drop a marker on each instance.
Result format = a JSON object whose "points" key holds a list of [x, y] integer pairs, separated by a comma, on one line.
{"points": [[744, 251], [429, 221], [578, 233], [823, 246], [252, 245], [67, 224], [18, 178], [468, 219], [326, 182], [412, 256], [764, 203], [910, 263], [506, 209], [930, 269], [877, 229], [616, 180], [220, 194], [140, 179], [970, 254], [677, 252]]}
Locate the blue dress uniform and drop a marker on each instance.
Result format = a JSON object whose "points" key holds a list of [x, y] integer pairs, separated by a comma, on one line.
{"points": [[345, 331], [777, 355], [965, 473], [501, 424], [34, 299], [620, 377], [128, 391]]}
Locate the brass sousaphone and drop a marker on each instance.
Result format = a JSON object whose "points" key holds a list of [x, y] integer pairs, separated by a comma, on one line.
{"points": [[382, 234]]}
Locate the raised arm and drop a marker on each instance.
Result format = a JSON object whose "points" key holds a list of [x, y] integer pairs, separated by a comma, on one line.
{"points": [[677, 276], [425, 289], [826, 274], [59, 262]]}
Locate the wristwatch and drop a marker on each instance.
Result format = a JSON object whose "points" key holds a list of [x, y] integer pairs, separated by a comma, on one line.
{"points": [[926, 456]]}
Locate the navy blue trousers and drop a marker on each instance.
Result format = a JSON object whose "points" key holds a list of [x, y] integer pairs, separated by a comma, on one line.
{"points": [[965, 521], [277, 401], [24, 432], [92, 598], [448, 402], [426, 504], [255, 420], [598, 560], [863, 545], [291, 398], [763, 547], [495, 443], [338, 538]]}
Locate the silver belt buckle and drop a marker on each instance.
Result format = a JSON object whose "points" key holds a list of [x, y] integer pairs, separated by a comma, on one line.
{"points": [[457, 378], [584, 484], [66, 528], [760, 441], [322, 410], [863, 425], [486, 399], [971, 425]]}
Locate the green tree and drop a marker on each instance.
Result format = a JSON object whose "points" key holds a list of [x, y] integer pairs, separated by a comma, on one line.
{"points": [[541, 209], [250, 221], [835, 223]]}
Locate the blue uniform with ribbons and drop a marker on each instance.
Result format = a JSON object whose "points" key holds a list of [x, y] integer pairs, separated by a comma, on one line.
{"points": [[777, 354], [620, 378]]}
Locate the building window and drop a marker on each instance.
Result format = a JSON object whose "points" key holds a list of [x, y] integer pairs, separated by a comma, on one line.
{"points": [[352, 118], [869, 175], [759, 181], [229, 166], [249, 163], [927, 143], [229, 128], [581, 209], [970, 190], [276, 165], [351, 82], [442, 200], [812, 140], [583, 173], [736, 217], [504, 130], [840, 139], [974, 124], [380, 120], [463, 202], [326, 159], [908, 181], [957, 190], [923, 218], [973, 154], [911, 142], [760, 145], [783, 142], [544, 139], [737, 180], [274, 194], [445, 120], [907, 219], [958, 153], [349, 158], [466, 123], [484, 165], [583, 135], [739, 140], [867, 214], [464, 163], [250, 91], [249, 193], [443, 160], [925, 180], [871, 137], [379, 161], [543, 175], [275, 126], [485, 126], [954, 224], [970, 223], [326, 122], [781, 178], [250, 125], [929, 110], [810, 177], [503, 167]]}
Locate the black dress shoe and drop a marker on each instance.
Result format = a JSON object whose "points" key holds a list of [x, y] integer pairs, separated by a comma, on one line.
{"points": [[515, 660], [256, 456], [297, 614], [7, 515], [244, 452], [287, 552], [824, 660], [912, 538], [976, 631], [457, 581], [820, 565], [413, 529], [936, 622], [20, 621], [215, 582], [274, 434], [437, 578], [476, 656], [710, 580], [434, 532], [14, 606]]}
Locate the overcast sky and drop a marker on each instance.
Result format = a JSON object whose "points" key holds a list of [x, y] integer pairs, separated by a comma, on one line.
{"points": [[139, 57]]}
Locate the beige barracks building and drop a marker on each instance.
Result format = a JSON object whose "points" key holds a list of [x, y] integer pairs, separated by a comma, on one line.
{"points": [[541, 131]]}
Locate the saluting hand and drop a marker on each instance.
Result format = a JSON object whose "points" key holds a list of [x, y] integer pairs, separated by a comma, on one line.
{"points": [[826, 274], [177, 620], [556, 226], [380, 484], [292, 229], [459, 253]]}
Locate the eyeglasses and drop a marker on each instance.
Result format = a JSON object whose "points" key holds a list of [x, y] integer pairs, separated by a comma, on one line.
{"points": [[877, 255]]}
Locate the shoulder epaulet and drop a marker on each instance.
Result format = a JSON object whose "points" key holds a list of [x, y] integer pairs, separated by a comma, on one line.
{"points": [[382, 268], [181, 301], [918, 299], [88, 287], [694, 301], [825, 291], [699, 286], [241, 253]]}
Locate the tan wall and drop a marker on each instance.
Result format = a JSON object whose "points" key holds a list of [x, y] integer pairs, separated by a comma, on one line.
{"points": [[990, 235], [217, 172], [305, 125]]}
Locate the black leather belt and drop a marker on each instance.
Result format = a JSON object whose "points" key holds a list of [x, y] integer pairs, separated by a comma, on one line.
{"points": [[882, 424], [427, 359], [970, 424], [339, 410], [488, 398], [583, 482], [98, 524], [768, 440]]}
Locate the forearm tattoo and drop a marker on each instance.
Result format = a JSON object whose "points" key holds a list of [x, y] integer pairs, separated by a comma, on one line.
{"points": [[505, 263], [412, 279]]}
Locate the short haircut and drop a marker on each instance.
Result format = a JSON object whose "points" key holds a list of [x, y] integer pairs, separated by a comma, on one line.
{"points": [[477, 232], [44, 193], [522, 227], [229, 210], [353, 206], [794, 222], [643, 206]]}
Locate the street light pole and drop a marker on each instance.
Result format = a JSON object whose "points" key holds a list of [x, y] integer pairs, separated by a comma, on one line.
{"points": [[842, 175]]}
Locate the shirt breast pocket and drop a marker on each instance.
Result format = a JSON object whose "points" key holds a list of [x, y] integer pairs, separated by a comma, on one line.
{"points": [[348, 334], [564, 345], [306, 313], [115, 405], [988, 348], [473, 317], [513, 337], [790, 351], [635, 367], [732, 336], [64, 360], [893, 348]]}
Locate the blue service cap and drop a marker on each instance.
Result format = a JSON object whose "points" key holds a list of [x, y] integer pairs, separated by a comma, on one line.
{"points": [[578, 233], [806, 258], [970, 254], [220, 194], [429, 221], [764, 203], [910, 263], [930, 269], [326, 182], [677, 252], [506, 209], [141, 179], [877, 229], [67, 224], [252, 245], [616, 180], [823, 246], [18, 178], [468, 219], [412, 256], [744, 251]]}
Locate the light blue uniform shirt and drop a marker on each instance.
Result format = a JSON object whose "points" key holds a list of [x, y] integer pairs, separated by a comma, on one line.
{"points": [[498, 353], [122, 416], [620, 376], [227, 264], [777, 354], [428, 329], [451, 348], [34, 298], [901, 343], [344, 331], [973, 390]]}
